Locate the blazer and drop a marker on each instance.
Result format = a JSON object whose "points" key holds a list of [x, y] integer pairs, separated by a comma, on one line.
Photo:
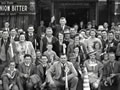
{"points": [[40, 71], [23, 69], [55, 70], [107, 69], [55, 44]]}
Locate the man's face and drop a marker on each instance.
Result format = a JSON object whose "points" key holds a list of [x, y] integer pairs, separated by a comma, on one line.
{"points": [[73, 31], [31, 29], [13, 32], [38, 54], [92, 33], [104, 34], [106, 25], [77, 39], [5, 34], [62, 22], [44, 59], [27, 60], [63, 59], [110, 36], [12, 66], [49, 32], [20, 31], [111, 57], [60, 36], [6, 24]]}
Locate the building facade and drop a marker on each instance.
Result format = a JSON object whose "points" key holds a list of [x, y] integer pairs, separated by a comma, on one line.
{"points": [[21, 13]]}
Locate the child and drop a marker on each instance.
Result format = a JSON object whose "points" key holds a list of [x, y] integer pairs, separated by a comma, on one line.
{"points": [[51, 55]]}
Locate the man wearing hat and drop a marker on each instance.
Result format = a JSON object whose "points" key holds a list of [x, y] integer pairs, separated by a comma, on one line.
{"points": [[94, 69]]}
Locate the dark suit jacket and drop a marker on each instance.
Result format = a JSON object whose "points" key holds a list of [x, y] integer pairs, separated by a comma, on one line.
{"points": [[55, 44], [32, 39], [107, 70], [23, 69], [57, 28], [40, 72]]}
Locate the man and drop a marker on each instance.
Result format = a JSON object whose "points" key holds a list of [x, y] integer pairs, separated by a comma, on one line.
{"points": [[6, 26], [59, 69], [59, 28], [41, 71], [49, 38], [13, 35], [31, 36], [27, 70], [73, 32], [111, 76], [38, 57], [111, 43], [5, 54], [41, 29], [11, 78], [104, 39]]}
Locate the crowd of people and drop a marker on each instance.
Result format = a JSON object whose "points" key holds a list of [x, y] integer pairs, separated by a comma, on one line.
{"points": [[60, 57]]}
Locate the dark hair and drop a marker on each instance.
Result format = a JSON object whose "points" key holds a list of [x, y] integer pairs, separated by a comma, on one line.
{"points": [[27, 55], [96, 43], [111, 32]]}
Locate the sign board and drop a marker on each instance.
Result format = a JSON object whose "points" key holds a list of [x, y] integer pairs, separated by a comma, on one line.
{"points": [[11, 8]]}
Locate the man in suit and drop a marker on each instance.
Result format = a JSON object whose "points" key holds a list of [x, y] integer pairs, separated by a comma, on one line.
{"points": [[13, 35], [59, 69], [59, 28], [27, 70], [111, 76], [6, 26], [50, 39], [41, 71], [5, 54], [31, 36]]}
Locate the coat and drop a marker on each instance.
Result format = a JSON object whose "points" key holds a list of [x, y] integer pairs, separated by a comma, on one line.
{"points": [[55, 69]]}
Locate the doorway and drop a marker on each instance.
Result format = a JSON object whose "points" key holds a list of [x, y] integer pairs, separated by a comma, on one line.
{"points": [[75, 15]]}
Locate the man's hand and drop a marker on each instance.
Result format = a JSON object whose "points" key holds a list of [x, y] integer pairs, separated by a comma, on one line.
{"points": [[52, 19], [112, 75], [52, 83], [67, 69], [26, 75], [63, 78]]}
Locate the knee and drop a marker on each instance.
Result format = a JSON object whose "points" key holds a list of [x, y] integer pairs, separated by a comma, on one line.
{"points": [[5, 79], [29, 85], [15, 87], [74, 80]]}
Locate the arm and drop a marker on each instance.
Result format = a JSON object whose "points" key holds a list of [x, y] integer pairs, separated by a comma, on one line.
{"points": [[49, 72], [73, 72]]}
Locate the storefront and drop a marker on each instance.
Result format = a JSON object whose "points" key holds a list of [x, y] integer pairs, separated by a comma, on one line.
{"points": [[20, 13]]}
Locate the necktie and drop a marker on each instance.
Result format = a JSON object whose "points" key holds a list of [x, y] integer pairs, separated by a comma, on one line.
{"points": [[62, 71]]}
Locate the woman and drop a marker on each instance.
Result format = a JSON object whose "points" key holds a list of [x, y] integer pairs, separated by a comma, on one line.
{"points": [[94, 69], [24, 47], [98, 49]]}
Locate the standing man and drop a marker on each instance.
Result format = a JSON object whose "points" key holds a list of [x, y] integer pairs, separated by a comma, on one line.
{"points": [[59, 69], [59, 28], [6, 26], [31, 36]]}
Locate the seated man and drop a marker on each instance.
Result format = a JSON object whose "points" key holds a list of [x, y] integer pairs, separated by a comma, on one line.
{"points": [[41, 71], [56, 74], [111, 74], [10, 77], [28, 72]]}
